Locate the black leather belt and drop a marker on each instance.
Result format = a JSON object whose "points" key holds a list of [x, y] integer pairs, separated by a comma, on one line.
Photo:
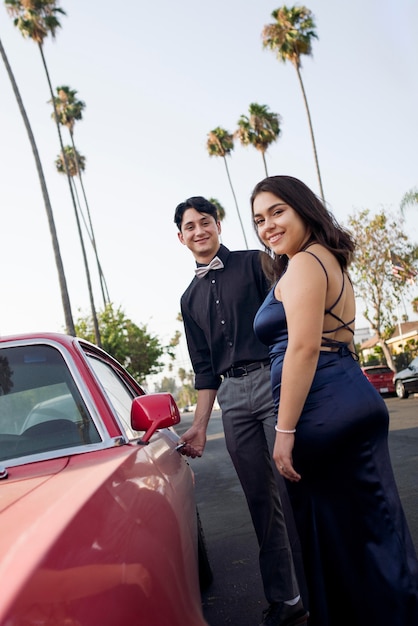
{"points": [[244, 369]]}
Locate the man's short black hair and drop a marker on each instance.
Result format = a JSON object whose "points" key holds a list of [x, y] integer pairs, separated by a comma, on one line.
{"points": [[198, 203]]}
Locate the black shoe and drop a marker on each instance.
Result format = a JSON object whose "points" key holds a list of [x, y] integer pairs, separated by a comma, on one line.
{"points": [[281, 614]]}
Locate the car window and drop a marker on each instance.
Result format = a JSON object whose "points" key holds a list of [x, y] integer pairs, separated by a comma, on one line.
{"points": [[378, 370], [40, 406], [119, 394]]}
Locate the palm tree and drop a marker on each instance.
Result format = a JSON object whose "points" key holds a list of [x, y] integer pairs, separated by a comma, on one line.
{"points": [[36, 19], [219, 208], [75, 161], [69, 323], [69, 110], [260, 129], [290, 37], [409, 199], [220, 143]]}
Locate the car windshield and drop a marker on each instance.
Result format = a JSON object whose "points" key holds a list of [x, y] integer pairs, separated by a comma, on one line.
{"points": [[40, 406]]}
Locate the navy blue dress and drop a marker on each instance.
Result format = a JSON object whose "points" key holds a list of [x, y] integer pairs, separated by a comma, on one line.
{"points": [[359, 558]]}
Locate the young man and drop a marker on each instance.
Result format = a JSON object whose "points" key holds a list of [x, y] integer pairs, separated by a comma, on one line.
{"points": [[229, 362]]}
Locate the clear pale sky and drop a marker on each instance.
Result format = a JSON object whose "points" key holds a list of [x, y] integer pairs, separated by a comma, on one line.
{"points": [[156, 77]]}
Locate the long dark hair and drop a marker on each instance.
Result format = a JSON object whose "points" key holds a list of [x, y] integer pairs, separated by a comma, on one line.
{"points": [[321, 222]]}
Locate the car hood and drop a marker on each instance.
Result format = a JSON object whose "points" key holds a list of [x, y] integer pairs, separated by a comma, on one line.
{"points": [[37, 501]]}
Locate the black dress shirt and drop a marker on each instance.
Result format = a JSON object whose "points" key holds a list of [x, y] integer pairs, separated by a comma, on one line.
{"points": [[218, 312]]}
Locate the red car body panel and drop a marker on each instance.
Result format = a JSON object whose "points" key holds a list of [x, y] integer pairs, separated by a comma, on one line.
{"points": [[106, 536]]}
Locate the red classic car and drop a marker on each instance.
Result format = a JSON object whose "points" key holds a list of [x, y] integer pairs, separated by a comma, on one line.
{"points": [[381, 377], [97, 513]]}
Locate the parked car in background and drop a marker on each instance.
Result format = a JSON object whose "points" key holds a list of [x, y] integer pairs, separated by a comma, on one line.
{"points": [[406, 381], [97, 512], [381, 377], [189, 408]]}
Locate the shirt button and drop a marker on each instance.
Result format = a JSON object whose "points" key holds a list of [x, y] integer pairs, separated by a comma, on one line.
{"points": [[213, 281], [216, 301], [222, 321]]}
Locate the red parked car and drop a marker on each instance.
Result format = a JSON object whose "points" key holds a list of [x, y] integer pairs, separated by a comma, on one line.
{"points": [[381, 378], [97, 513]]}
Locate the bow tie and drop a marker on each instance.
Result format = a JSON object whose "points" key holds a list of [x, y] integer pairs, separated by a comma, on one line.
{"points": [[215, 264]]}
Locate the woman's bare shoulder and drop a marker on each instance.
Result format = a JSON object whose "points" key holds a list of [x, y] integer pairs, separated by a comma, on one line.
{"points": [[319, 254]]}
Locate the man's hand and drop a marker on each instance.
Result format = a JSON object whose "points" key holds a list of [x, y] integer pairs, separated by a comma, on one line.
{"points": [[195, 437], [195, 440]]}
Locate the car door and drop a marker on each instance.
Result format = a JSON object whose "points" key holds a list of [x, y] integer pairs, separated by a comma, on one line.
{"points": [[411, 381]]}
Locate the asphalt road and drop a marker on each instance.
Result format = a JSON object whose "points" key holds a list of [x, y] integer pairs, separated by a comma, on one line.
{"points": [[236, 595]]}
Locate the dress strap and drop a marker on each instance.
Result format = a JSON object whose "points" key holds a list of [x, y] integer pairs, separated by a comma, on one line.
{"points": [[320, 263], [326, 342]]}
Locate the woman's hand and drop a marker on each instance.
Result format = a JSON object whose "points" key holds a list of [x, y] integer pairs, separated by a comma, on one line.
{"points": [[282, 455]]}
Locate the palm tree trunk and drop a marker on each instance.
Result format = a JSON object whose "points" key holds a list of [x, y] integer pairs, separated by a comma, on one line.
{"points": [[311, 131], [69, 323], [236, 203], [103, 285], [80, 234], [86, 226], [265, 163]]}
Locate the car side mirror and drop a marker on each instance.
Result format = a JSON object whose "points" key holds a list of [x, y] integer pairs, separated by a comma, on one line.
{"points": [[153, 411]]}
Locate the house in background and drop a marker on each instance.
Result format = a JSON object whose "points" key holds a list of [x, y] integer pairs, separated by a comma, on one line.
{"points": [[407, 331]]}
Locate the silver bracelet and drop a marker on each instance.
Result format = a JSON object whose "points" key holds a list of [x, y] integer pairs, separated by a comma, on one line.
{"points": [[282, 430]]}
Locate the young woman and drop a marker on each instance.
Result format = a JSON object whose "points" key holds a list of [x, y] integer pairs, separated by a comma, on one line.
{"points": [[332, 426]]}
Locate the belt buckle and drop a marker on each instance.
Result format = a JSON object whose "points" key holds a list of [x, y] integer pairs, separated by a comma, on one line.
{"points": [[243, 369]]}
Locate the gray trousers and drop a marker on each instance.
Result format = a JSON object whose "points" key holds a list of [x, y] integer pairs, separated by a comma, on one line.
{"points": [[249, 417]]}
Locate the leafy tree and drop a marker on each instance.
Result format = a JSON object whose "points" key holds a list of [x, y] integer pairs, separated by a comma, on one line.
{"points": [[376, 358], [182, 374], [69, 323], [187, 393], [174, 341], [220, 143], [167, 385], [67, 110], [290, 36], [378, 238], [36, 19], [133, 346], [410, 351], [259, 129]]}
